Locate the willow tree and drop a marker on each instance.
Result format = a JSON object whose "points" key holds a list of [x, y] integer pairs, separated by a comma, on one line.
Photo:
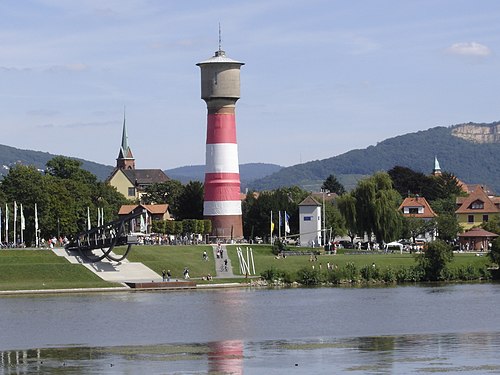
{"points": [[376, 205], [346, 204]]}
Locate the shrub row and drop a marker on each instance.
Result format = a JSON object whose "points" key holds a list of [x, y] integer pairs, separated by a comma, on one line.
{"points": [[371, 274]]}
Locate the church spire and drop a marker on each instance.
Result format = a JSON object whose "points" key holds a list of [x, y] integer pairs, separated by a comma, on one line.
{"points": [[125, 158], [437, 169]]}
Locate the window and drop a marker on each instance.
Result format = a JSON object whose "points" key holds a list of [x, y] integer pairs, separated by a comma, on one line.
{"points": [[485, 218], [131, 191], [477, 205], [470, 218], [307, 218], [413, 210]]}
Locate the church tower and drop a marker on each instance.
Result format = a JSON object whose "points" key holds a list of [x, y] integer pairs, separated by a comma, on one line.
{"points": [[437, 169], [125, 158]]}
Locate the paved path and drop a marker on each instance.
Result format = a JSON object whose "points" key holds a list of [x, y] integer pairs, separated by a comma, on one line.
{"points": [[112, 271], [219, 263]]}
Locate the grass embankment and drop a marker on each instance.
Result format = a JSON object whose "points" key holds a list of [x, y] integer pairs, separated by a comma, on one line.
{"points": [[174, 258], [42, 269], [391, 267]]}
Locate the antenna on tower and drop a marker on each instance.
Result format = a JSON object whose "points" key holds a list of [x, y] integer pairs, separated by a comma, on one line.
{"points": [[220, 39]]}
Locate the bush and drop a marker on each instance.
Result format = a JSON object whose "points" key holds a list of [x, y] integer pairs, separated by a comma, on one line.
{"points": [[388, 275], [308, 276], [434, 259], [351, 272], [271, 275], [369, 273]]}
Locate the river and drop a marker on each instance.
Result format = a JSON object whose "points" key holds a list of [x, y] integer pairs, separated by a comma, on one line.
{"points": [[452, 328]]}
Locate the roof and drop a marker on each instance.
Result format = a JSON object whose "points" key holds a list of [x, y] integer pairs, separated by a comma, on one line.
{"points": [[477, 195], [478, 232], [153, 209], [418, 202], [309, 201], [219, 57], [145, 176]]}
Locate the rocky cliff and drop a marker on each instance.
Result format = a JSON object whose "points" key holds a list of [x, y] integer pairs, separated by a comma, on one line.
{"points": [[478, 133]]}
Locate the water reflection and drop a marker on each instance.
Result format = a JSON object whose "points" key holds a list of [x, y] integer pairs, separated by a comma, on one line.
{"points": [[405, 354]]}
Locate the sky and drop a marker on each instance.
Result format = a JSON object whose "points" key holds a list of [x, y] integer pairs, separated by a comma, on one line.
{"points": [[321, 77]]}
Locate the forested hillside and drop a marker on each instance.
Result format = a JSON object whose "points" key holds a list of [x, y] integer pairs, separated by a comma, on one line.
{"points": [[248, 172], [470, 162], [11, 155]]}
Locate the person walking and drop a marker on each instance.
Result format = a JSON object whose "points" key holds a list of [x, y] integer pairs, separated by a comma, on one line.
{"points": [[163, 275]]}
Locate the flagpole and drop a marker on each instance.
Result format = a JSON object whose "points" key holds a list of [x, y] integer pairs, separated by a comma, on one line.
{"points": [[0, 225], [15, 219], [6, 224]]}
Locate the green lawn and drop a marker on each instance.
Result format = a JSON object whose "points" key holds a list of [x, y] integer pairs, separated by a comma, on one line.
{"points": [[42, 269], [264, 260], [173, 258]]}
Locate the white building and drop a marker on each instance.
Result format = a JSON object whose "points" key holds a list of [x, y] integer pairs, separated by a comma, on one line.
{"points": [[310, 222]]}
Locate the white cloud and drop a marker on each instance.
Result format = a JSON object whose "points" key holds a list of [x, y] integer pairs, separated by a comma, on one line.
{"points": [[469, 49]]}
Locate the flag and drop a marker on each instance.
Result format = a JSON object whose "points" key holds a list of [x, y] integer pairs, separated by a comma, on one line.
{"points": [[143, 225], [287, 226], [23, 223], [36, 225], [279, 219], [98, 216], [6, 223], [88, 219], [15, 222], [272, 226]]}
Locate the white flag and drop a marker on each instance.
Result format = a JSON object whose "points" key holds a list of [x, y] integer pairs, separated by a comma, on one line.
{"points": [[6, 223], [23, 223], [88, 218], [15, 222], [143, 225], [36, 226]]}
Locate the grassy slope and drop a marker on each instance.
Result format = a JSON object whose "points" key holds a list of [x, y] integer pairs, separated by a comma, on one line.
{"points": [[42, 269]]}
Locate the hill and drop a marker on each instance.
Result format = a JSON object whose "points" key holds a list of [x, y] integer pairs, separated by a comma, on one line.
{"points": [[10, 156], [248, 172], [469, 151]]}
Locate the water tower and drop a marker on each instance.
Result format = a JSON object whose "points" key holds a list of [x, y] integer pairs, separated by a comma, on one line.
{"points": [[220, 89]]}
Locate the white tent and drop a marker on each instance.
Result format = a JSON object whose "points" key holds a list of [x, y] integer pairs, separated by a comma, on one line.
{"points": [[394, 244]]}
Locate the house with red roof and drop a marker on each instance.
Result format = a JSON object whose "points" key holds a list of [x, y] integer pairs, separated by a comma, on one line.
{"points": [[476, 208]]}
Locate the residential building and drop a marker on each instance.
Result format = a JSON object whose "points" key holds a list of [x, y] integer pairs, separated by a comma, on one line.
{"points": [[153, 212], [476, 208]]}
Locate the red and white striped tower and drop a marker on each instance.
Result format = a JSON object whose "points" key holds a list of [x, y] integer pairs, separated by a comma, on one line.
{"points": [[220, 88]]}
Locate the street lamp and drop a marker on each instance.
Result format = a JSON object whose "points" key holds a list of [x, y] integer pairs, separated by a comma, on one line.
{"points": [[323, 232]]}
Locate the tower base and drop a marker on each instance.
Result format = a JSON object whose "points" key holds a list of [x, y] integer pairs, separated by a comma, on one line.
{"points": [[227, 226]]}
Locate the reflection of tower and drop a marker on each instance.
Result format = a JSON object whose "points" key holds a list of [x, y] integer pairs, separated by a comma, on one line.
{"points": [[220, 88]]}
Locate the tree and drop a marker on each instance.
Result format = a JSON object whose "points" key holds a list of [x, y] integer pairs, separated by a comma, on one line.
{"points": [[164, 192], [347, 207], [414, 226], [191, 201], [492, 225], [69, 169], [447, 227], [334, 221], [333, 185], [434, 260], [376, 204], [494, 254]]}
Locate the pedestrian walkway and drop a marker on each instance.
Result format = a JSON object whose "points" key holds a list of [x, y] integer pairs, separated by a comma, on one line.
{"points": [[219, 263], [120, 272]]}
